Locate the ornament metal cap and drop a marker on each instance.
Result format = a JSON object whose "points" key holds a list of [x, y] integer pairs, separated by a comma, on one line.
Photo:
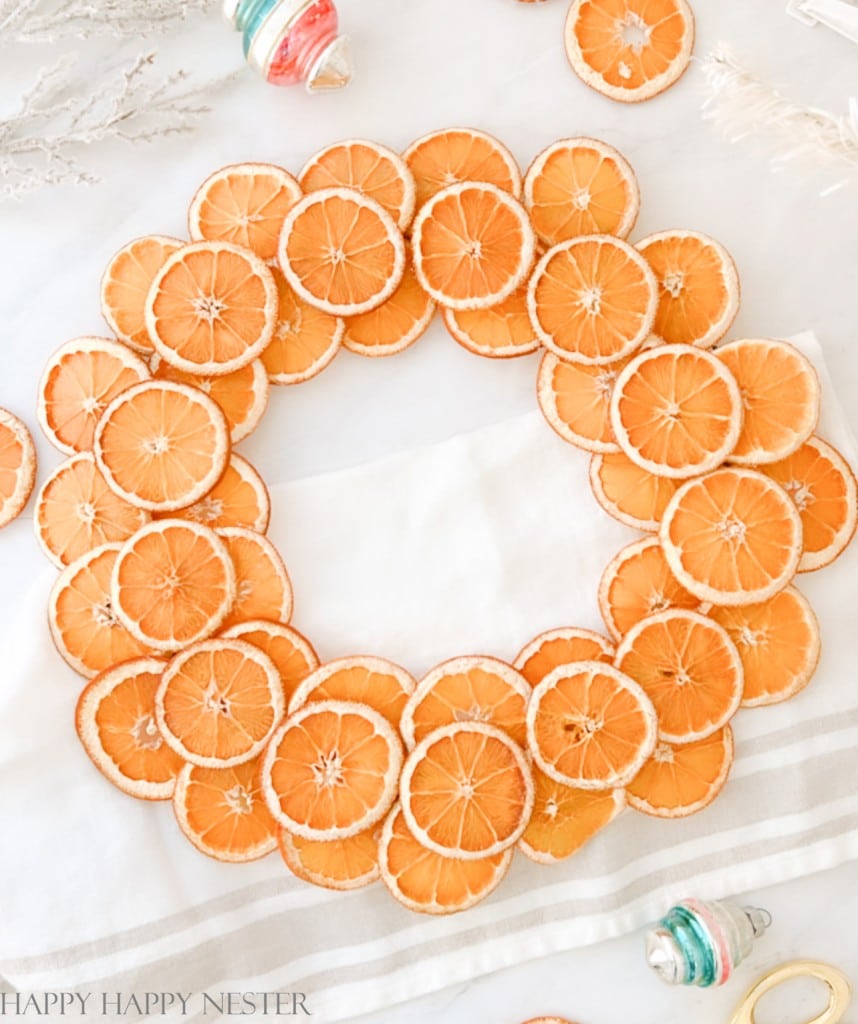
{"points": [[332, 69]]}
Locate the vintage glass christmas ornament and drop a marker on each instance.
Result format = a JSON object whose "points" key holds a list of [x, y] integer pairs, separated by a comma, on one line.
{"points": [[701, 943], [292, 41]]}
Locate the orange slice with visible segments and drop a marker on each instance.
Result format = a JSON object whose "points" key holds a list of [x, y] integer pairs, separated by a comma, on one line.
{"points": [[500, 332], [688, 667], [330, 770], [80, 380], [473, 246], [467, 791], [76, 511], [219, 702], [628, 493], [305, 339], [115, 720], [377, 683], [732, 537], [263, 590], [676, 411], [428, 883], [162, 446], [222, 812], [629, 50], [565, 818], [17, 467], [393, 326], [592, 299], [292, 653], [244, 204], [575, 399], [239, 498], [581, 187], [590, 726], [559, 647], [456, 155], [341, 252], [341, 864]]}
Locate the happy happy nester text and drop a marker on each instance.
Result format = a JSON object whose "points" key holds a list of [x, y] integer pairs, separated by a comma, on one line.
{"points": [[130, 1005]]}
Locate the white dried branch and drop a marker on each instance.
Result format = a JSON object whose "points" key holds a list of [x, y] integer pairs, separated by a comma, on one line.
{"points": [[38, 21]]}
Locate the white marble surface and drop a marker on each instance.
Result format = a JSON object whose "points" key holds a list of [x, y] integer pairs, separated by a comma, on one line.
{"points": [[498, 65]]}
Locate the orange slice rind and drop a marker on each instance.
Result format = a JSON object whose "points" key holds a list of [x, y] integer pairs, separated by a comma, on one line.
{"points": [[262, 586], [503, 331], [339, 864], [628, 493], [375, 682], [17, 467], [557, 647], [393, 326], [575, 398], [305, 338]]}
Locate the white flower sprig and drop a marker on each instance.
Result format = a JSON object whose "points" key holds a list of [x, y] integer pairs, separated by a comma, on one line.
{"points": [[36, 21]]}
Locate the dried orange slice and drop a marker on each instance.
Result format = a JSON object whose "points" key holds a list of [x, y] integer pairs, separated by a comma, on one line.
{"points": [[780, 397], [330, 770], [239, 498], [173, 584], [84, 625], [393, 326], [76, 511], [341, 252], [688, 667], [590, 726], [126, 283], [428, 883], [592, 299], [679, 780], [778, 642], [629, 50], [473, 246], [368, 167], [500, 332], [467, 791], [222, 812], [468, 689], [162, 446], [305, 339], [559, 647], [115, 720], [676, 411], [732, 537], [628, 493], [581, 187], [292, 653], [263, 590], [212, 308], [637, 583], [17, 467], [565, 818], [456, 155], [244, 204], [80, 380], [575, 399], [822, 485], [341, 864], [377, 683]]}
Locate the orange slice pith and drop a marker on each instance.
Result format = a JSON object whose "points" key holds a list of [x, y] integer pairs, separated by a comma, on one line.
{"points": [[17, 467], [468, 689], [500, 332], [679, 780], [732, 537], [330, 770], [449, 157], [212, 308], [377, 683], [628, 493], [368, 167], [341, 864], [575, 399], [80, 380], [84, 625], [115, 720], [244, 204], [173, 584], [565, 818], [219, 702], [305, 339], [581, 187], [629, 50], [559, 647], [822, 485], [590, 726], [161, 446], [688, 667], [676, 411], [428, 883], [263, 590], [394, 325], [222, 812], [778, 642], [341, 252], [292, 653], [466, 791], [637, 583], [126, 283], [698, 287], [76, 511], [239, 498], [592, 299], [473, 245], [780, 396]]}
